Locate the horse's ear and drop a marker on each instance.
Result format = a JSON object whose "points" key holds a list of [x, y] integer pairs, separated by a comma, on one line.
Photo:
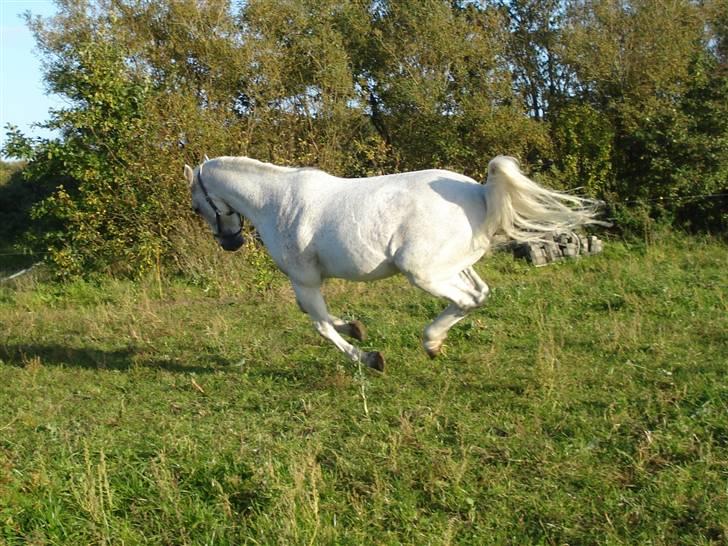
{"points": [[189, 175]]}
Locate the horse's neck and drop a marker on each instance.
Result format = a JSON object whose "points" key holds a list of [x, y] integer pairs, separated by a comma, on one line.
{"points": [[247, 187]]}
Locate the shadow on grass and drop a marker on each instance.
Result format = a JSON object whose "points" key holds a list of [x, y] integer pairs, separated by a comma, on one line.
{"points": [[27, 355]]}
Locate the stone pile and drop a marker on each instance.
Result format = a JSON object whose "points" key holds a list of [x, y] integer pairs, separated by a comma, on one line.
{"points": [[557, 246]]}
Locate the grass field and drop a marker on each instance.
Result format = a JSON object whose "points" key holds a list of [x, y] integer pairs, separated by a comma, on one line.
{"points": [[587, 403]]}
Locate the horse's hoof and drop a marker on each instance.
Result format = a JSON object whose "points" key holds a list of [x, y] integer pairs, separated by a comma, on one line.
{"points": [[374, 360], [357, 330], [432, 350]]}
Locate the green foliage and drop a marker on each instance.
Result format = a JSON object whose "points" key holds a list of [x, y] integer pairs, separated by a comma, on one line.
{"points": [[101, 214], [584, 140], [431, 75], [627, 101], [662, 95], [675, 159]]}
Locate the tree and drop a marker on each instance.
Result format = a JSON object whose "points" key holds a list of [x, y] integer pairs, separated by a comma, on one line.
{"points": [[642, 63], [436, 89], [625, 99]]}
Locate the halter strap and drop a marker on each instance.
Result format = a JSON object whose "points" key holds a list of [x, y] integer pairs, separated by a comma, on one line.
{"points": [[204, 192]]}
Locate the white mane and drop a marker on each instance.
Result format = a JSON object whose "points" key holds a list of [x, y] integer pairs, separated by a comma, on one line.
{"points": [[248, 163]]}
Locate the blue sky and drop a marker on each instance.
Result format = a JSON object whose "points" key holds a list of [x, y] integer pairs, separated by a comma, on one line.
{"points": [[22, 95]]}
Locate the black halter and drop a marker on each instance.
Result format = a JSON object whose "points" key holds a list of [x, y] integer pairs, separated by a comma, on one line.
{"points": [[216, 210]]}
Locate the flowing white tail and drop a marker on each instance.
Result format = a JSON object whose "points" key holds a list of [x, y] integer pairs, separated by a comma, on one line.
{"points": [[524, 210]]}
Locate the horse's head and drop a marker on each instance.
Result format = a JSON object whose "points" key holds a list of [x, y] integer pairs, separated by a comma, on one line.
{"points": [[226, 224]]}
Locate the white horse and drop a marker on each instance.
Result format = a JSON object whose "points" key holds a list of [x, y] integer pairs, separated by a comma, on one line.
{"points": [[431, 226]]}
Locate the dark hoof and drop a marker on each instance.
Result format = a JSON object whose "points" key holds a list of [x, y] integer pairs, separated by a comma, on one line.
{"points": [[357, 330], [374, 360]]}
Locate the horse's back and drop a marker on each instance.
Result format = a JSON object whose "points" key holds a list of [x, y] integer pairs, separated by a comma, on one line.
{"points": [[371, 227]]}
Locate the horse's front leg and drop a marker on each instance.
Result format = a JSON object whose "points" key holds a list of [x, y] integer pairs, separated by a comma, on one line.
{"points": [[312, 302], [354, 329]]}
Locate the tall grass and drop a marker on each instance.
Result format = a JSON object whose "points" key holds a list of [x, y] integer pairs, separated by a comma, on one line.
{"points": [[585, 404]]}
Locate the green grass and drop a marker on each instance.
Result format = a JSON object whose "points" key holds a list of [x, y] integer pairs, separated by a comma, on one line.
{"points": [[585, 404]]}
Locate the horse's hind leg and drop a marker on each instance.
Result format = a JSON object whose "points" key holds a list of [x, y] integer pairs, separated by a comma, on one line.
{"points": [[466, 291], [436, 332], [312, 302]]}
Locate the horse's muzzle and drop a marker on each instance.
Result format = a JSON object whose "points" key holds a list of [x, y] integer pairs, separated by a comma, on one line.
{"points": [[231, 242]]}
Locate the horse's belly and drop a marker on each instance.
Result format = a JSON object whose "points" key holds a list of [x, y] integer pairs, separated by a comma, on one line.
{"points": [[356, 269], [354, 248]]}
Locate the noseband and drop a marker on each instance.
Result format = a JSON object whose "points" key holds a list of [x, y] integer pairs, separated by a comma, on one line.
{"points": [[216, 210]]}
